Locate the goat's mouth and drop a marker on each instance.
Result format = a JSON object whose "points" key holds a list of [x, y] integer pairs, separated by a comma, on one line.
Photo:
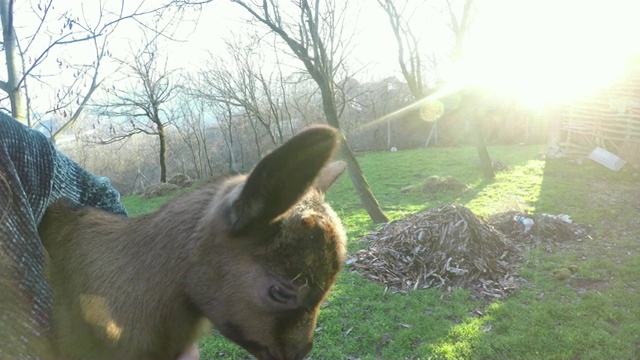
{"points": [[265, 354], [261, 352], [233, 333]]}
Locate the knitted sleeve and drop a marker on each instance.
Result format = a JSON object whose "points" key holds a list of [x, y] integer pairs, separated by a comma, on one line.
{"points": [[82, 187], [32, 176]]}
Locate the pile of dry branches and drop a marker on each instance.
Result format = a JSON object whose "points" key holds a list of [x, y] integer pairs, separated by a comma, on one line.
{"points": [[446, 246]]}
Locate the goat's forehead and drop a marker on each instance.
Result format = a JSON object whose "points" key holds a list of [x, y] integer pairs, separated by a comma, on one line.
{"points": [[310, 243]]}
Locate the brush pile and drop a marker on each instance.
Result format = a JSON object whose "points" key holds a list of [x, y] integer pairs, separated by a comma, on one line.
{"points": [[442, 247], [547, 229]]}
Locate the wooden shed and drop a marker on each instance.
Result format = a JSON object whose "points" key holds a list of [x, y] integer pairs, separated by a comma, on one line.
{"points": [[608, 118]]}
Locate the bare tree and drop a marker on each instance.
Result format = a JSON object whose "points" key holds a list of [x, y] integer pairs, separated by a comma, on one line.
{"points": [[381, 98], [228, 129], [11, 86], [304, 100], [409, 57], [141, 107], [86, 32], [193, 126], [461, 16], [246, 86], [460, 22], [314, 36], [228, 89]]}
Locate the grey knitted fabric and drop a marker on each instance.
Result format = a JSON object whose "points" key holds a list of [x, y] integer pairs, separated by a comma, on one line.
{"points": [[32, 176]]}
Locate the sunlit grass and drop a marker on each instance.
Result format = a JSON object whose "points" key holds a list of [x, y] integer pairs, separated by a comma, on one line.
{"points": [[516, 189]]}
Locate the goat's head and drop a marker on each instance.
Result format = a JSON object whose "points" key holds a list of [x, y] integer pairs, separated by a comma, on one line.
{"points": [[272, 248]]}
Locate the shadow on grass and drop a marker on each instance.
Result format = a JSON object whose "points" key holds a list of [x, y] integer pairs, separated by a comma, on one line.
{"points": [[587, 316]]}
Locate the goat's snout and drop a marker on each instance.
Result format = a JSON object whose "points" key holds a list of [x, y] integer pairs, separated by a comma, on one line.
{"points": [[304, 351], [286, 354]]}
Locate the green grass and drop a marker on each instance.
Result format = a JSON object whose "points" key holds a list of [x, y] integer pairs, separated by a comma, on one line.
{"points": [[593, 315]]}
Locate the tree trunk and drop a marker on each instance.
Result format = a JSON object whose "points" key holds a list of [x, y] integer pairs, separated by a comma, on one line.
{"points": [[369, 202], [163, 150], [486, 167], [10, 51], [256, 137], [471, 100]]}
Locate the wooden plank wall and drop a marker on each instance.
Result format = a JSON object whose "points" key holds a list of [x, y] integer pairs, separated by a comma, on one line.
{"points": [[609, 118]]}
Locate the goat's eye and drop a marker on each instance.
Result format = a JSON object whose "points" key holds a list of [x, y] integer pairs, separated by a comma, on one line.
{"points": [[280, 295]]}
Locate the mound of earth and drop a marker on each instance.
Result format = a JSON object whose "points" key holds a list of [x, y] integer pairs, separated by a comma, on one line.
{"points": [[435, 185], [441, 247], [157, 190], [181, 180]]}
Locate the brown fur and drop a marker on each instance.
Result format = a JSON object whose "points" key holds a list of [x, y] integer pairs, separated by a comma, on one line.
{"points": [[255, 255]]}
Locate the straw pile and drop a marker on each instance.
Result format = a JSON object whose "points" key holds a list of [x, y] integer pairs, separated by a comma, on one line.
{"points": [[446, 246]]}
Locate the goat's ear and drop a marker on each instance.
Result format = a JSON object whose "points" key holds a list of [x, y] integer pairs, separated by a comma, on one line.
{"points": [[329, 174], [282, 177]]}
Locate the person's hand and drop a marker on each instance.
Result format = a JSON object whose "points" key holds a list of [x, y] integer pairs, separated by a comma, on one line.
{"points": [[191, 354]]}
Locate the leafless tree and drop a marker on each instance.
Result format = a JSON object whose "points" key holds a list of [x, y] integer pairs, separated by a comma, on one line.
{"points": [[57, 32], [409, 56], [306, 102], [313, 33], [381, 98], [140, 107], [247, 87], [460, 21], [193, 126], [228, 127], [228, 88], [461, 15], [9, 41]]}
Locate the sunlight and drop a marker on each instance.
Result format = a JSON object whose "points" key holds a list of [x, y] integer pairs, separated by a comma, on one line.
{"points": [[95, 311], [461, 338], [517, 189], [546, 51]]}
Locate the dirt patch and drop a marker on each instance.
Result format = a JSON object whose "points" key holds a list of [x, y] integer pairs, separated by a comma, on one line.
{"points": [[582, 285]]}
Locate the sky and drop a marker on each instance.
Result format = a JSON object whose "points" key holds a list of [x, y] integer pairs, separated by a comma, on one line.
{"points": [[520, 46], [374, 44], [551, 50], [543, 50]]}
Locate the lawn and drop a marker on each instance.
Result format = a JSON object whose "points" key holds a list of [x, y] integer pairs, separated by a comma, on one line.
{"points": [[594, 314]]}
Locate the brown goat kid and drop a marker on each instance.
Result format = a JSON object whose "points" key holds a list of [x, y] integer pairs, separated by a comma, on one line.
{"points": [[255, 255]]}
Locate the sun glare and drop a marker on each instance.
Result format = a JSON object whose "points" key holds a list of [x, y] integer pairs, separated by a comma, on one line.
{"points": [[546, 51]]}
